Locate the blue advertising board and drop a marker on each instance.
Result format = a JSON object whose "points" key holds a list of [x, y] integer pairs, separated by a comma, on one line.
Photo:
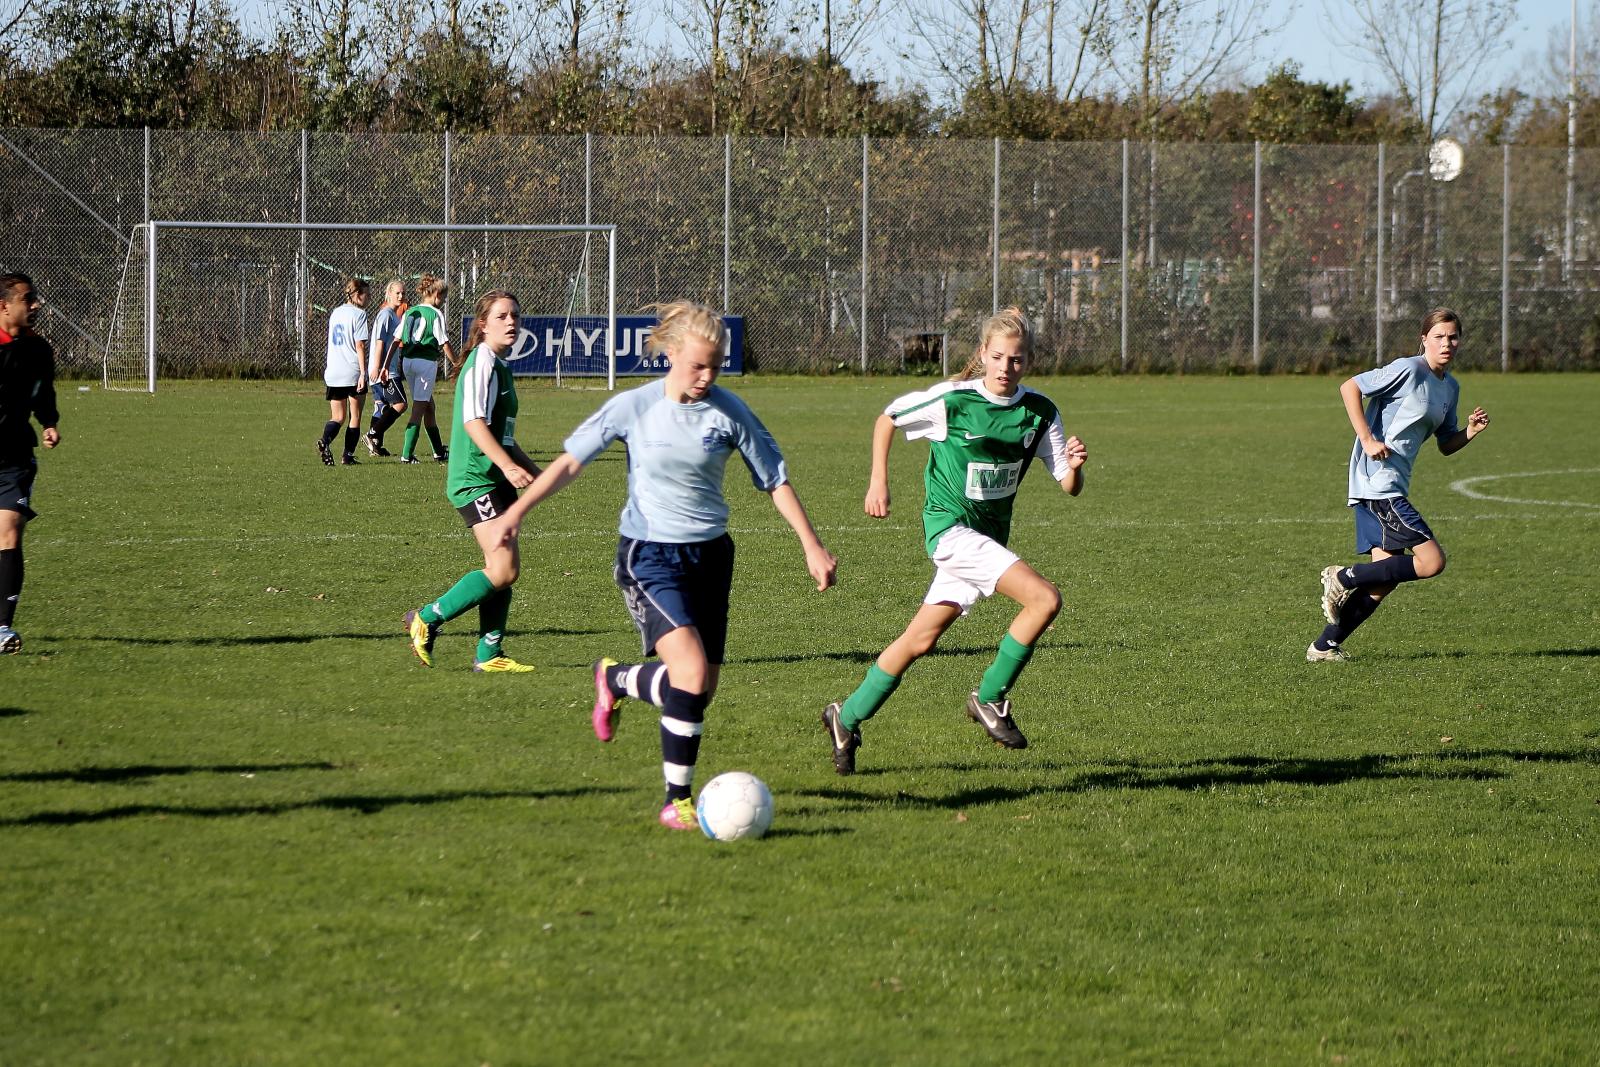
{"points": [[579, 342]]}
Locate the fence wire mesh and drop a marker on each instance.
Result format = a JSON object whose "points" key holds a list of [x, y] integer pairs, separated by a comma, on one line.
{"points": [[843, 255]]}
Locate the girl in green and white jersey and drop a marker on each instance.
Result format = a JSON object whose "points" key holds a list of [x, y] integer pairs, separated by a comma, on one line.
{"points": [[487, 468], [425, 341], [986, 428]]}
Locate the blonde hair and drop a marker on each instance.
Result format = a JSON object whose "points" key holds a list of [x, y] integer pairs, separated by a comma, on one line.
{"points": [[683, 319], [428, 287], [1007, 322], [354, 287], [391, 283], [479, 313]]}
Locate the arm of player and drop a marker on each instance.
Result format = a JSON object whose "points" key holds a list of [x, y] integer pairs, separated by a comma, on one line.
{"points": [[1350, 393], [524, 461], [563, 470], [1077, 455], [478, 430], [1477, 422], [877, 503], [819, 561], [361, 365]]}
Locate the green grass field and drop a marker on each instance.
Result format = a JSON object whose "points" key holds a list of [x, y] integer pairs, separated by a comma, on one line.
{"points": [[240, 824]]}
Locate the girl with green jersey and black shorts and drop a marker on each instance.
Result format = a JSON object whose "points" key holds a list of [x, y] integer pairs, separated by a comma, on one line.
{"points": [[487, 467], [425, 340], [986, 428]]}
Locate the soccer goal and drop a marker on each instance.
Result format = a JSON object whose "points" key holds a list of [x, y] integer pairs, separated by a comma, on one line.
{"points": [[251, 299]]}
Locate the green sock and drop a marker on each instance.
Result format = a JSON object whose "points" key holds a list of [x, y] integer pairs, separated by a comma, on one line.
{"points": [[1002, 673], [493, 611], [869, 696], [411, 440], [472, 589]]}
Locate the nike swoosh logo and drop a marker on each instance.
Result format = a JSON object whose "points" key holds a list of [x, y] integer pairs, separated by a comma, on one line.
{"points": [[983, 713], [973, 436]]}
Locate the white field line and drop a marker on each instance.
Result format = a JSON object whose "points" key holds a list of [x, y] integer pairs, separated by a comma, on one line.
{"points": [[1464, 486], [531, 535]]}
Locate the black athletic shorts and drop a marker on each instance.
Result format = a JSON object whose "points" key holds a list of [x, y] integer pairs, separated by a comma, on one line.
{"points": [[16, 485], [490, 505], [342, 392]]}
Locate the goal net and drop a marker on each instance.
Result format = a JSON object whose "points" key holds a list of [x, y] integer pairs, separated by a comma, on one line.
{"points": [[251, 299]]}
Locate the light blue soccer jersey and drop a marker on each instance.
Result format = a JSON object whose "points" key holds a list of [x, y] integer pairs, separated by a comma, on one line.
{"points": [[1407, 404], [384, 328], [677, 454], [347, 324]]}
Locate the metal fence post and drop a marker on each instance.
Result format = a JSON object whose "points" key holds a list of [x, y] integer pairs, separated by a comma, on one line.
{"points": [[1377, 288], [864, 143], [727, 218], [1124, 253], [302, 279], [1255, 272], [147, 174], [448, 145], [994, 246], [588, 211], [1505, 258]]}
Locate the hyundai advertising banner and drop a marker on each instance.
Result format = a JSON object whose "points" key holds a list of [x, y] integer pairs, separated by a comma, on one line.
{"points": [[579, 342]]}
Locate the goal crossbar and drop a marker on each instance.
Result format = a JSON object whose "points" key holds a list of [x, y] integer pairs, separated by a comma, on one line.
{"points": [[155, 226]]}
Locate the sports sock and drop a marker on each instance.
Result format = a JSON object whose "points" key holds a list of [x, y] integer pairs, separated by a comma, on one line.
{"points": [[433, 439], [472, 589], [412, 430], [493, 611], [641, 681], [1357, 610], [10, 583], [1389, 571], [869, 696], [330, 430], [381, 424], [350, 435], [1003, 672], [683, 717]]}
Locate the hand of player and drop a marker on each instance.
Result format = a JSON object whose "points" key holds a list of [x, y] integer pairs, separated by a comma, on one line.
{"points": [[51, 437], [823, 566], [501, 532], [877, 504], [1375, 448], [1477, 422], [1077, 452], [518, 477]]}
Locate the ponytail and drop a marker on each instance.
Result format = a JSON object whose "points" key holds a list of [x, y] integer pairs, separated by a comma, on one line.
{"points": [[1007, 322]]}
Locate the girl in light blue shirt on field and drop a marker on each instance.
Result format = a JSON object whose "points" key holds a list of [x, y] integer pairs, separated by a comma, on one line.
{"points": [[674, 560], [1408, 402]]}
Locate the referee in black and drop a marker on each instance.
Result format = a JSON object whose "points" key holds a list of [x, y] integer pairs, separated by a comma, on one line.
{"points": [[27, 388]]}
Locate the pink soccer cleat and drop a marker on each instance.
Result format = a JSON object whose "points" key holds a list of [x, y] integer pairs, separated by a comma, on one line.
{"points": [[606, 702]]}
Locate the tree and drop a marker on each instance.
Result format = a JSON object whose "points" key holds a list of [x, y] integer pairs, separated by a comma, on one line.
{"points": [[1429, 50]]}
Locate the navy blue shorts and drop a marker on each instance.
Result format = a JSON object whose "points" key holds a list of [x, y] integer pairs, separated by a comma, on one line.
{"points": [[16, 486], [670, 585], [1391, 524], [388, 394]]}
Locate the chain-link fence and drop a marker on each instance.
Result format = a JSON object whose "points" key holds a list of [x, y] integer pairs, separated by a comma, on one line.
{"points": [[843, 255]]}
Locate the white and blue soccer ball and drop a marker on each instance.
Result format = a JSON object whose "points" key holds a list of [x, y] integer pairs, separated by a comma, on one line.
{"points": [[734, 805]]}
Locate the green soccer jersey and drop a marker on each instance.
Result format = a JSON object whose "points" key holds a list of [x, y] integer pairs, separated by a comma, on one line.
{"points": [[422, 332], [484, 391], [982, 445]]}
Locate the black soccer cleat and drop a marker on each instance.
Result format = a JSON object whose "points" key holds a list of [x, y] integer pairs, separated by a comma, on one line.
{"points": [[375, 446], [324, 452], [348, 460], [844, 742], [442, 456], [996, 719]]}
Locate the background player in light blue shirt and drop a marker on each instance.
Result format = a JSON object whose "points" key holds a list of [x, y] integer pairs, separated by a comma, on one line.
{"points": [[674, 556], [1408, 402]]}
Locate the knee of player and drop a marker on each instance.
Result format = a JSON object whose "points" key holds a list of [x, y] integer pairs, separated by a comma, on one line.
{"points": [[502, 573], [1047, 599], [1431, 568]]}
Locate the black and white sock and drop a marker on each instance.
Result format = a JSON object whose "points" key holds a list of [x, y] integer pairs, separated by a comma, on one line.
{"points": [[10, 583], [641, 681], [683, 718]]}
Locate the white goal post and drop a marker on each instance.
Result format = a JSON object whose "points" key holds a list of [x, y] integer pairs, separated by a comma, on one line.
{"points": [[132, 343]]}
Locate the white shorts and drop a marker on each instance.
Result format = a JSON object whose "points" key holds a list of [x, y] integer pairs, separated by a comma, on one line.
{"points": [[967, 567], [420, 374]]}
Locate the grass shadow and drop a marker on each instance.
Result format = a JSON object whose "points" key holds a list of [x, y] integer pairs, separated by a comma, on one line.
{"points": [[397, 636], [358, 803], [1220, 772], [140, 773], [12, 713], [857, 656]]}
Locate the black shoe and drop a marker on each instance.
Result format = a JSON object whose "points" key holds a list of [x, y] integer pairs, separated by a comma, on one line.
{"points": [[322, 450], [995, 718], [348, 460], [442, 456], [375, 446], [844, 742]]}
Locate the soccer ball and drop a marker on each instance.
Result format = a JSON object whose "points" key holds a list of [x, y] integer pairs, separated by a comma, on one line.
{"points": [[734, 805]]}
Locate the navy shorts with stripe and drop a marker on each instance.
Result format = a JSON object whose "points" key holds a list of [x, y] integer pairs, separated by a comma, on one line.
{"points": [[1391, 524], [16, 486], [670, 585], [387, 394]]}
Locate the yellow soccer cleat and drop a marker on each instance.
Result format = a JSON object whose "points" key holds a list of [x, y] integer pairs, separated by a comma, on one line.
{"points": [[422, 636], [501, 665]]}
